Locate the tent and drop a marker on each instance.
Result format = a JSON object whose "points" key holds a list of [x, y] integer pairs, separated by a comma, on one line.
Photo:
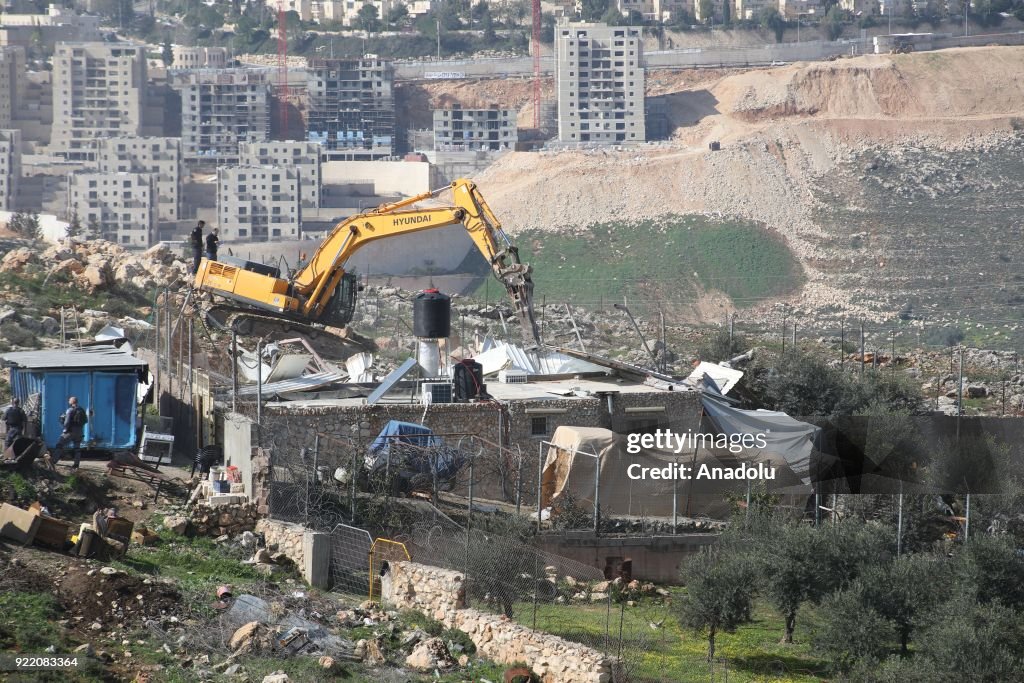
{"points": [[569, 469]]}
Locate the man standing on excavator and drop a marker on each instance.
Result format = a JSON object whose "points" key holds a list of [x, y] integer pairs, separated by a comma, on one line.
{"points": [[196, 240]]}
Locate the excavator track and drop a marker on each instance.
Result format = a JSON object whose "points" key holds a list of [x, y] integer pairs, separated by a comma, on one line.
{"points": [[220, 317]]}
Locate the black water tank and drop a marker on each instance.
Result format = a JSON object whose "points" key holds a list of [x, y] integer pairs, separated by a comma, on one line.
{"points": [[432, 315], [469, 380]]}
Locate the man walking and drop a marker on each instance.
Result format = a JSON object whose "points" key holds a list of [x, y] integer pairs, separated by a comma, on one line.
{"points": [[212, 242], [196, 239], [74, 421], [14, 418]]}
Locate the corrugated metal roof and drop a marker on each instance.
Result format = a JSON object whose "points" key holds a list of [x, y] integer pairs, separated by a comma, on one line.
{"points": [[304, 383], [87, 357]]}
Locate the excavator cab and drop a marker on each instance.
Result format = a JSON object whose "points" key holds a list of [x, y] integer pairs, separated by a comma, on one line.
{"points": [[342, 305]]}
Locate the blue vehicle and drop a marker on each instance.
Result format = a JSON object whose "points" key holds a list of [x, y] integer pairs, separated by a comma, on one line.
{"points": [[406, 453]]}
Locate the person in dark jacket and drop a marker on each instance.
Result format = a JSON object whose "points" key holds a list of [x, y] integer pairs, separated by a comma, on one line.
{"points": [[15, 419], [196, 240], [212, 242], [74, 421]]}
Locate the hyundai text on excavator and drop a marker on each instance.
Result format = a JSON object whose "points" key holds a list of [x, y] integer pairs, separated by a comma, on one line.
{"points": [[323, 293]]}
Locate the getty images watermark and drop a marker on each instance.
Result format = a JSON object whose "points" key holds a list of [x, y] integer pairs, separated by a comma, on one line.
{"points": [[667, 440]]}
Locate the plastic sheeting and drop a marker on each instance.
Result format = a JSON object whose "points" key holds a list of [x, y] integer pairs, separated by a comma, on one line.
{"points": [[569, 468], [791, 439]]}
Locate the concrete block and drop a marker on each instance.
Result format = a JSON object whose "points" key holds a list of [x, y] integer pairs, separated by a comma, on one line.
{"points": [[316, 559], [18, 525], [220, 499]]}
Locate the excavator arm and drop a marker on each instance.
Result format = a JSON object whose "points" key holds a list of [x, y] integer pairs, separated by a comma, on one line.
{"points": [[322, 291]]}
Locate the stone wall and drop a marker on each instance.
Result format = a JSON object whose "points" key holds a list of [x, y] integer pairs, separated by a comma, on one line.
{"points": [[309, 550], [554, 659], [283, 537], [440, 594], [342, 428], [223, 519]]}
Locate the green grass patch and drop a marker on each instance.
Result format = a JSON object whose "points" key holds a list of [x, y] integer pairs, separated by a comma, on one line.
{"points": [[193, 563], [22, 488], [28, 622], [671, 653], [675, 259]]}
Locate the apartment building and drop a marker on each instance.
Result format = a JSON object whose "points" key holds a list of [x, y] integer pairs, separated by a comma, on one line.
{"points": [[44, 31], [599, 81], [458, 129], [351, 108], [221, 108], [10, 168], [12, 83], [122, 205], [303, 156], [98, 92], [751, 10], [186, 57], [258, 203], [160, 157]]}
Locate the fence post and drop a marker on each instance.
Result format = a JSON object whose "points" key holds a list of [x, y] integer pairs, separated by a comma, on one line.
{"points": [[536, 570], [597, 495], [353, 476], [316, 471], [540, 473], [519, 480], [469, 526]]}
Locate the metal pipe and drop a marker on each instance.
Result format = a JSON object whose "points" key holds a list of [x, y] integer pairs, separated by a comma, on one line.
{"points": [[156, 380], [167, 340], [234, 371], [259, 386]]}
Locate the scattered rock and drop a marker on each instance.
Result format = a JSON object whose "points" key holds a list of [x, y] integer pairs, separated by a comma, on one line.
{"points": [[430, 654]]}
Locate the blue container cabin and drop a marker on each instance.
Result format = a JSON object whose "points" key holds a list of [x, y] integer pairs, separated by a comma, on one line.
{"points": [[105, 380]]}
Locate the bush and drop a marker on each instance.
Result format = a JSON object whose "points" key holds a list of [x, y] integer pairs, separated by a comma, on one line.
{"points": [[852, 633], [455, 639]]}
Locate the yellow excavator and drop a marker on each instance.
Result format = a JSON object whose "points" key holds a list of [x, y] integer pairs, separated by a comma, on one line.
{"points": [[323, 293]]}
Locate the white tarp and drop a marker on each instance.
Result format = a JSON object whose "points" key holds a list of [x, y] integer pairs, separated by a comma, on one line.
{"points": [[725, 378], [502, 356]]}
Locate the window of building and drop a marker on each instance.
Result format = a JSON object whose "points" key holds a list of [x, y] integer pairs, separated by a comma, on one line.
{"points": [[539, 426]]}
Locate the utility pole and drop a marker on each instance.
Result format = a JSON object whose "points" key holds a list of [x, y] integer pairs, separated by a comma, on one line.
{"points": [[438, 40]]}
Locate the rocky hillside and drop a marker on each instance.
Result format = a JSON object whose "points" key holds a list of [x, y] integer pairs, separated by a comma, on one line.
{"points": [[920, 151]]}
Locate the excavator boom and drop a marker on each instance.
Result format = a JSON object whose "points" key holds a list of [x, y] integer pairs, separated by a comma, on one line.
{"points": [[323, 292]]}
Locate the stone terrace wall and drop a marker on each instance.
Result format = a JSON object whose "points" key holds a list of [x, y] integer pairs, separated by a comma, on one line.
{"points": [[554, 659], [286, 537], [223, 519], [436, 592], [440, 594]]}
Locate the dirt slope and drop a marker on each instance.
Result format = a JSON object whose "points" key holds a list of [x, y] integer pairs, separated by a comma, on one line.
{"points": [[784, 132]]}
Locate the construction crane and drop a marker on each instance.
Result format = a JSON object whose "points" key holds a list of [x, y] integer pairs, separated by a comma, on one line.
{"points": [[323, 293]]}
